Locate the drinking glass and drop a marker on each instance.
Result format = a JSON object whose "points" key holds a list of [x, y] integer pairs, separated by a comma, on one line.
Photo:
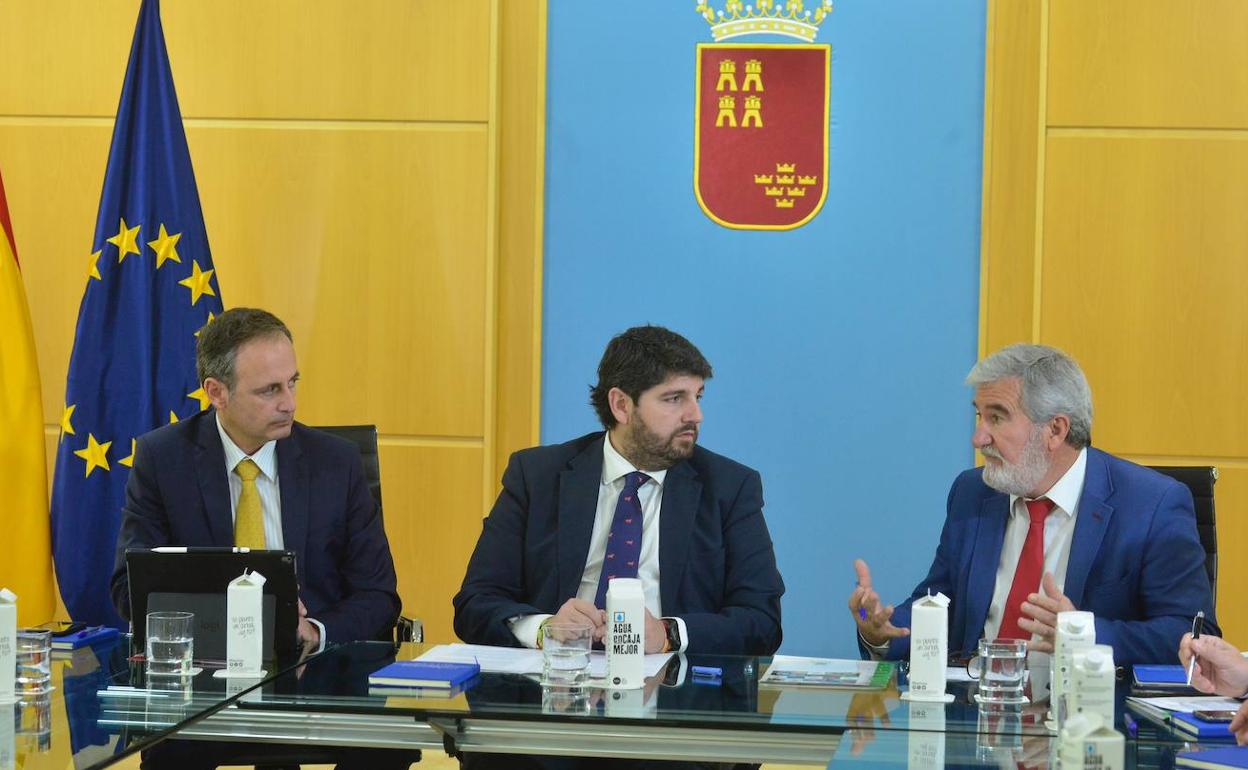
{"points": [[1002, 670], [565, 653], [34, 662], [170, 644]]}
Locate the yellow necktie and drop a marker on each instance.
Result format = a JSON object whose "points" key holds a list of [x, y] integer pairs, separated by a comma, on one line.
{"points": [[249, 516]]}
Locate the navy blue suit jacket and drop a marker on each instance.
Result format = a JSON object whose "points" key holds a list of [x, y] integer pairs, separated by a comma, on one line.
{"points": [[1135, 561], [717, 569], [178, 494]]}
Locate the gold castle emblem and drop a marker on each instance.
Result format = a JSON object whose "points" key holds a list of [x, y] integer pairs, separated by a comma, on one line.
{"points": [[789, 18]]}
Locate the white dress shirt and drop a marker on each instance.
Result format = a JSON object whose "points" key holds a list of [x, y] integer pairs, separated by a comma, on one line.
{"points": [[265, 459], [1059, 531], [650, 495]]}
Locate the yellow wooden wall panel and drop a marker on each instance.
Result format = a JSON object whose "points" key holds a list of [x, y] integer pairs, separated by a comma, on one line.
{"points": [[366, 60], [1231, 500], [370, 244], [1149, 63], [1011, 136], [1144, 276], [432, 498], [53, 175], [1138, 247], [370, 171], [522, 104]]}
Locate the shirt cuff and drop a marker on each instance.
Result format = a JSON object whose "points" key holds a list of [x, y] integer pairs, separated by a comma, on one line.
{"points": [[684, 634], [320, 627], [524, 628], [876, 651]]}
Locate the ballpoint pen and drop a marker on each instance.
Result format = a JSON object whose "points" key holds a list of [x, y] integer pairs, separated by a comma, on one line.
{"points": [[1198, 625], [1128, 721]]}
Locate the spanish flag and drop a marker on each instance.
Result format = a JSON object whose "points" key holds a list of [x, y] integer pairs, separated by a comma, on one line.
{"points": [[26, 547]]}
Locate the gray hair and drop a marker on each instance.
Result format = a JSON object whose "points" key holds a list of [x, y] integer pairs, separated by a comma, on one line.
{"points": [[1052, 384], [220, 340]]}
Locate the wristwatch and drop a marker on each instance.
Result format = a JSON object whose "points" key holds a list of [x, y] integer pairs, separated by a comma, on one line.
{"points": [[672, 629]]}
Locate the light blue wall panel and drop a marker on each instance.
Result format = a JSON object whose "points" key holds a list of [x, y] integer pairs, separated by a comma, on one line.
{"points": [[839, 348]]}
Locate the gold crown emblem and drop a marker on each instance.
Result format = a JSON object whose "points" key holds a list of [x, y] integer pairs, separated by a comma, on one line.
{"points": [[773, 17], [786, 168]]}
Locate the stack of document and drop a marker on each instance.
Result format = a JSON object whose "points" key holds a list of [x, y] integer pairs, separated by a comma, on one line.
{"points": [[514, 660], [1178, 714], [828, 672]]}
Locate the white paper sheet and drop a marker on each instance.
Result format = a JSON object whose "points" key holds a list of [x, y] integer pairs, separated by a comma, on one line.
{"points": [[516, 660], [1191, 703]]}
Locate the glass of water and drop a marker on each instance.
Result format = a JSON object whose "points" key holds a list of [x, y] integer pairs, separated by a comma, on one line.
{"points": [[565, 653], [170, 644], [34, 662], [1002, 670]]}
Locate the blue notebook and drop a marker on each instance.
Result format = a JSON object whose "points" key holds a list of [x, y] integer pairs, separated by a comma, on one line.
{"points": [[92, 635], [423, 674], [1214, 759], [1160, 675], [1185, 722]]}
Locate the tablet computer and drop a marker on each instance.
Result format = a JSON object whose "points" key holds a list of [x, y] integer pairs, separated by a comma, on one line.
{"points": [[195, 580]]}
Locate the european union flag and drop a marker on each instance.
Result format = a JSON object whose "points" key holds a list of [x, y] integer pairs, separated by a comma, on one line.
{"points": [[150, 287]]}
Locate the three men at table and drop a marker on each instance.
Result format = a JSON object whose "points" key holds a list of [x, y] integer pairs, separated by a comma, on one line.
{"points": [[1050, 523]]}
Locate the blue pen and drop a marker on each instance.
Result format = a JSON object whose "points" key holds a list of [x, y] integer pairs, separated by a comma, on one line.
{"points": [[862, 611], [1133, 729], [708, 672]]}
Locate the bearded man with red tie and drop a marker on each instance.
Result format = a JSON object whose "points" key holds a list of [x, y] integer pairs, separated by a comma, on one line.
{"points": [[1050, 524]]}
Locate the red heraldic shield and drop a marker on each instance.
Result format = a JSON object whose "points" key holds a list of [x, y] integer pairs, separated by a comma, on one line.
{"points": [[761, 134]]}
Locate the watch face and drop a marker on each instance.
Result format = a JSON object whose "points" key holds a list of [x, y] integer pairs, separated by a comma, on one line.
{"points": [[673, 633]]}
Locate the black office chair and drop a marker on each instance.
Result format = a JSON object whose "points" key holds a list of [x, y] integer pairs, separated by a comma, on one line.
{"points": [[1200, 480], [365, 439]]}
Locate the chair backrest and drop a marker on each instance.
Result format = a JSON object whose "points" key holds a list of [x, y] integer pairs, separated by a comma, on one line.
{"points": [[365, 439], [1200, 480]]}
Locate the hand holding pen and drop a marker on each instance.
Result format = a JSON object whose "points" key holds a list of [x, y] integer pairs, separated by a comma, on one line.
{"points": [[874, 620], [1215, 664]]}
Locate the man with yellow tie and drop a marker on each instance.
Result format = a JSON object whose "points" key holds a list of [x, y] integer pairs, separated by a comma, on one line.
{"points": [[244, 473]]}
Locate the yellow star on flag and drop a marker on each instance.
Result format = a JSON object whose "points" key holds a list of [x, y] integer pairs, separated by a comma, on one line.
{"points": [[128, 460], [66, 425], [172, 417], [210, 317], [199, 395], [126, 241], [198, 282], [95, 453], [166, 247], [93, 266]]}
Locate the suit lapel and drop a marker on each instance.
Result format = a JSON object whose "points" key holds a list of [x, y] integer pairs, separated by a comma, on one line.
{"points": [[578, 507], [292, 483], [986, 556], [681, 490], [1090, 525], [214, 486]]}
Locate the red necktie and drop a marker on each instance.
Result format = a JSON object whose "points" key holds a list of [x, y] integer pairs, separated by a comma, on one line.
{"points": [[1029, 571]]}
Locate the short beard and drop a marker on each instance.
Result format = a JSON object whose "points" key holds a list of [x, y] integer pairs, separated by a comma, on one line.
{"points": [[649, 451], [1019, 478]]}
